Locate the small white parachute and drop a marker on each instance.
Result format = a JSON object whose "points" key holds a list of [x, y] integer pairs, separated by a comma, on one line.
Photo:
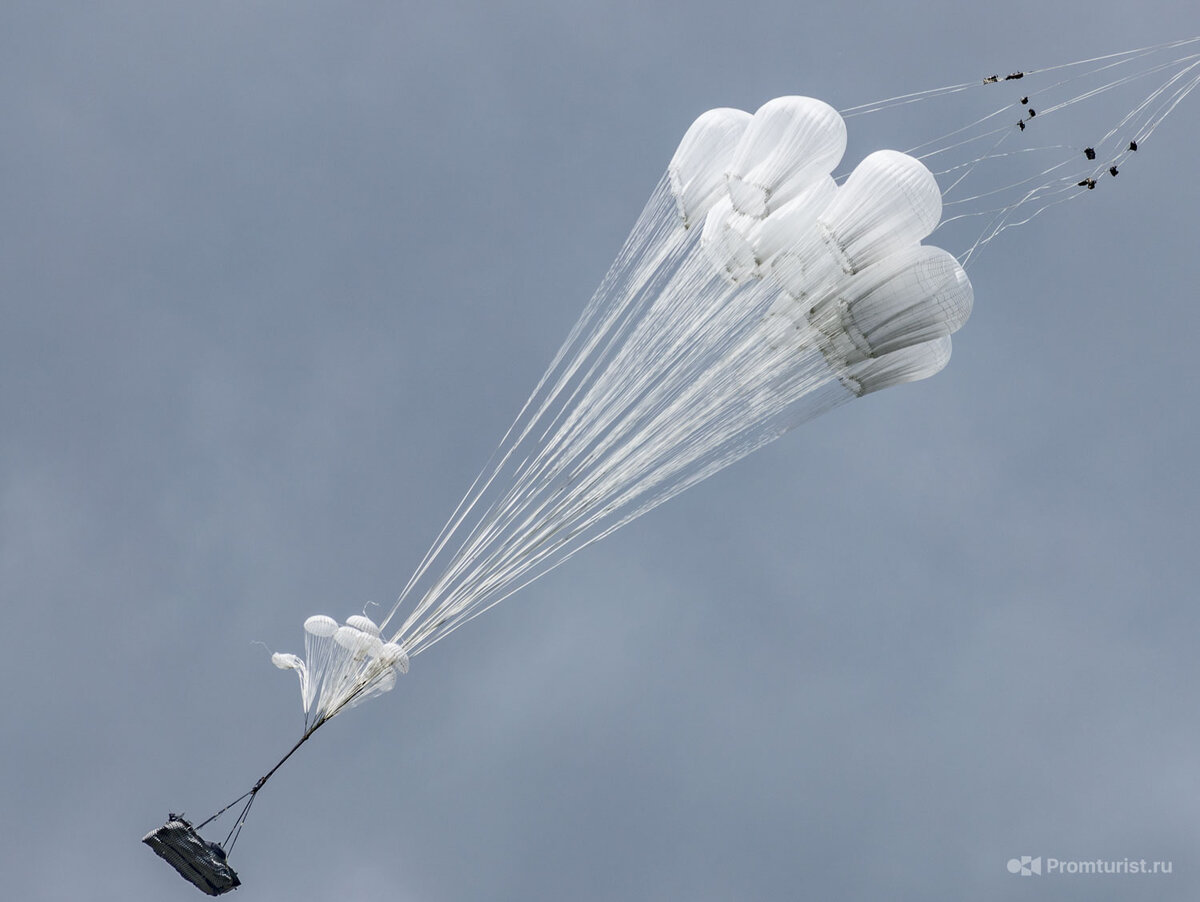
{"points": [[343, 666]]}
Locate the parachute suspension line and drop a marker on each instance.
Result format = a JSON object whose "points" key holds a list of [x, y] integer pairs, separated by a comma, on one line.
{"points": [[1011, 153], [939, 148], [904, 99], [494, 466], [982, 154], [542, 525], [253, 791], [1118, 83], [235, 831], [646, 251], [917, 96], [213, 817], [249, 796], [601, 415], [655, 422], [969, 168], [1065, 183], [1169, 105], [1123, 55], [523, 421], [1145, 117]]}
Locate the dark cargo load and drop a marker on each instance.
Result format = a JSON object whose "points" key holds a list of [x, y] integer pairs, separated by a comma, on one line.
{"points": [[200, 862]]}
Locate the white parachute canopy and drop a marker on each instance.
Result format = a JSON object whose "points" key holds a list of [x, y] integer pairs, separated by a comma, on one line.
{"points": [[342, 665], [755, 292]]}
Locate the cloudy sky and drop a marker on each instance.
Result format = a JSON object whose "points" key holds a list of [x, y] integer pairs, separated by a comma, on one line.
{"points": [[275, 277]]}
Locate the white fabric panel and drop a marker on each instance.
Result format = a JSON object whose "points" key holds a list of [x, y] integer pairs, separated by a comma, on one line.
{"points": [[697, 171], [790, 142]]}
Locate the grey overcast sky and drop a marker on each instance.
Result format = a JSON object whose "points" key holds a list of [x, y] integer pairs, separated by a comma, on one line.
{"points": [[275, 277]]}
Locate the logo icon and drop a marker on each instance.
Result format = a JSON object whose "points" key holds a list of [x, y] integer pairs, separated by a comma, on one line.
{"points": [[1026, 865]]}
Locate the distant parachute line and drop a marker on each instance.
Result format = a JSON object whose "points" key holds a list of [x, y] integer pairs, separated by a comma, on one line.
{"points": [[1048, 115], [758, 289]]}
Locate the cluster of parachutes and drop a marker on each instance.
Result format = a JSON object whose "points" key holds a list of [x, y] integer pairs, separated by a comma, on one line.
{"points": [[342, 665], [853, 278], [753, 288]]}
